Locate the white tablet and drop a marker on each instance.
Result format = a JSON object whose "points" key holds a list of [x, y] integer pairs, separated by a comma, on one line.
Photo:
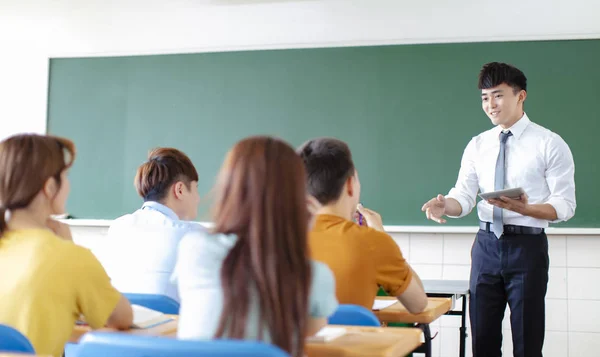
{"points": [[510, 193]]}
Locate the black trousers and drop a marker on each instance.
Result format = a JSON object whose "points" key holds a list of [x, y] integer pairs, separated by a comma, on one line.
{"points": [[513, 270]]}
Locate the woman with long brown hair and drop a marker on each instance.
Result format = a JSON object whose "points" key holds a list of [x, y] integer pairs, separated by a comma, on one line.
{"points": [[47, 281], [252, 278]]}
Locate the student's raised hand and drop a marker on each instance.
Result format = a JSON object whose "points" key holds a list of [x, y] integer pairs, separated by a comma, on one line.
{"points": [[518, 205], [60, 229], [373, 218], [313, 206], [435, 208]]}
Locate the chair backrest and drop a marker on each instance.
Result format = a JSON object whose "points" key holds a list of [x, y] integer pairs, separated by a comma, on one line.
{"points": [[353, 315], [102, 344], [12, 340], [161, 303]]}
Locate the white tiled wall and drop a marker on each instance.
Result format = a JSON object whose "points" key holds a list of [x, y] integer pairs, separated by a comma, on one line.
{"points": [[583, 344], [572, 301]]}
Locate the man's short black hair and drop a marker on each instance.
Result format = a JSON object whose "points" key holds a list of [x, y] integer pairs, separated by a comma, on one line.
{"points": [[328, 163], [495, 73]]}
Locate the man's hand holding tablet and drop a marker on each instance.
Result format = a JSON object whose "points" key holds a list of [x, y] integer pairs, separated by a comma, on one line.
{"points": [[512, 199], [514, 193]]}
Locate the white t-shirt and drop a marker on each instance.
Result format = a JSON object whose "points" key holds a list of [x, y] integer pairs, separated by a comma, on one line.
{"points": [[140, 250], [198, 274]]}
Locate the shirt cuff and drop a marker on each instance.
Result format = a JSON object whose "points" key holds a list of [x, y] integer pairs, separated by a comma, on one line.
{"points": [[563, 211], [399, 290], [464, 205]]}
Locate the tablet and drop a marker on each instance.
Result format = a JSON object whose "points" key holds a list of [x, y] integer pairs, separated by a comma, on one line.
{"points": [[510, 193]]}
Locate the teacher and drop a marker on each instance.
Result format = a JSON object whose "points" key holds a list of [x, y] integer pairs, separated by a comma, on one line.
{"points": [[509, 259]]}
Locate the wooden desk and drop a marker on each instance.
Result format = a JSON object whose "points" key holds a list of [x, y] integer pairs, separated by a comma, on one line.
{"points": [[368, 341], [454, 289], [168, 329], [436, 307], [358, 341]]}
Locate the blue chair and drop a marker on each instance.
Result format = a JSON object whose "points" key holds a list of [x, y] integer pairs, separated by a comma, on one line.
{"points": [[353, 315], [12, 340], [161, 303], [102, 344]]}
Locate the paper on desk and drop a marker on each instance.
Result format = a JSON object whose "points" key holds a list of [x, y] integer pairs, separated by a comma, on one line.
{"points": [[327, 333], [382, 304], [144, 317]]}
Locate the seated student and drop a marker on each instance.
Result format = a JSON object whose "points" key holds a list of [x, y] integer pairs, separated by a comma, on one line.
{"points": [[47, 280], [362, 258], [140, 249], [252, 278]]}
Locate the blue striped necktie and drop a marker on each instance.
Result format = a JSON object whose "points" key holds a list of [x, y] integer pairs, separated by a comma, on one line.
{"points": [[499, 183]]}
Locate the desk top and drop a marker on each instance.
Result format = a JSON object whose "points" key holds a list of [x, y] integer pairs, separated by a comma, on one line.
{"points": [[368, 341], [436, 307], [450, 287], [358, 341], [166, 329]]}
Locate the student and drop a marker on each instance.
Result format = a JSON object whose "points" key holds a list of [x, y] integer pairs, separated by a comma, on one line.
{"points": [[47, 281], [252, 278], [168, 183], [362, 258], [510, 254]]}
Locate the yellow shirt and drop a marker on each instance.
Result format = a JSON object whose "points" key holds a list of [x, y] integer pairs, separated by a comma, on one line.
{"points": [[46, 283], [362, 259]]}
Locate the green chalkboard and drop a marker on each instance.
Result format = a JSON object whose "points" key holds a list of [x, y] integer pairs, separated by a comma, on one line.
{"points": [[407, 112]]}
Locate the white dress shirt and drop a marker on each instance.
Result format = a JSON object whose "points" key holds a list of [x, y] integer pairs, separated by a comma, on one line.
{"points": [[537, 160], [140, 250]]}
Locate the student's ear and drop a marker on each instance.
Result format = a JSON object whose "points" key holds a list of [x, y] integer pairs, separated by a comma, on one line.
{"points": [[178, 189], [350, 186], [50, 187]]}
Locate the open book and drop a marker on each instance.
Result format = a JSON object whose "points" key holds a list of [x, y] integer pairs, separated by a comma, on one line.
{"points": [[144, 317], [380, 304]]}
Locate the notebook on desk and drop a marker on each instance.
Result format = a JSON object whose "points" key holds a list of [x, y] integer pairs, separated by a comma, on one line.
{"points": [[144, 317]]}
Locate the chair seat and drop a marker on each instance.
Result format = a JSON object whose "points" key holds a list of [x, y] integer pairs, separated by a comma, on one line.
{"points": [[161, 303], [11, 340], [353, 315]]}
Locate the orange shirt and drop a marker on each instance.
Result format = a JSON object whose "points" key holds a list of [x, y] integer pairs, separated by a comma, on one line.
{"points": [[362, 259]]}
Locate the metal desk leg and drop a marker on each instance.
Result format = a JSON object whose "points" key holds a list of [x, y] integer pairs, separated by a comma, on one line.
{"points": [[463, 327], [426, 346]]}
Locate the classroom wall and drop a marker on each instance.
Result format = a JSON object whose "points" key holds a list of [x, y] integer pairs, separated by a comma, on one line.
{"points": [[32, 31]]}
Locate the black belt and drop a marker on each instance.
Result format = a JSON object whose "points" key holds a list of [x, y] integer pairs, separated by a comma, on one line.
{"points": [[510, 229]]}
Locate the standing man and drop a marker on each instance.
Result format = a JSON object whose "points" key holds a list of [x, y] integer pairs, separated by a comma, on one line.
{"points": [[509, 259]]}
